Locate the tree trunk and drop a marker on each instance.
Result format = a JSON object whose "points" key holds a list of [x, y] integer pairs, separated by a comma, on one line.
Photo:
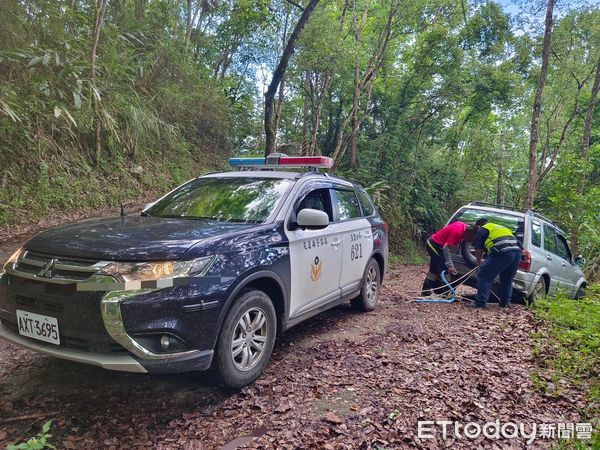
{"points": [[537, 107], [305, 108], [279, 105], [500, 186], [192, 20], [140, 9], [281, 90], [364, 83], [189, 21], [99, 18], [356, 100], [318, 107], [358, 29], [279, 73], [585, 156]]}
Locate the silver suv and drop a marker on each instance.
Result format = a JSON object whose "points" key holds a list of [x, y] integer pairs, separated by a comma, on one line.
{"points": [[547, 265]]}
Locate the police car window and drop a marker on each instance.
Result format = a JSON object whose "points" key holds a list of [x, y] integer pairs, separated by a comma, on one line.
{"points": [[549, 239], [562, 247], [536, 234], [247, 199], [348, 205], [317, 199], [514, 223], [365, 202]]}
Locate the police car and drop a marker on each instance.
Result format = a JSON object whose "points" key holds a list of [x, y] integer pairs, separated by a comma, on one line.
{"points": [[207, 275]]}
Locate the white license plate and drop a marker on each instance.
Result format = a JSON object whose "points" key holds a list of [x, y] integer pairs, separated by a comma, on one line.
{"points": [[40, 327]]}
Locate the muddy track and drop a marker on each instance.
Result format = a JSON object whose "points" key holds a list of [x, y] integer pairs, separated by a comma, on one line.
{"points": [[341, 380]]}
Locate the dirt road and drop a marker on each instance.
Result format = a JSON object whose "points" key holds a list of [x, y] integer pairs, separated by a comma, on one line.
{"points": [[340, 380]]}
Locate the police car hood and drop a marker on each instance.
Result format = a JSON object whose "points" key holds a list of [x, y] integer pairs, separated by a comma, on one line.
{"points": [[131, 238]]}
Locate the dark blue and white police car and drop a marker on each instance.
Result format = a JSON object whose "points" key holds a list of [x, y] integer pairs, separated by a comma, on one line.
{"points": [[208, 274]]}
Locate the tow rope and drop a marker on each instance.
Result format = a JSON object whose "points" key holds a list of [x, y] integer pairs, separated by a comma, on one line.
{"points": [[451, 290]]}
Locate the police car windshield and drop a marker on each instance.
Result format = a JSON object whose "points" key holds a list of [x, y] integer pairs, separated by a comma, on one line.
{"points": [[235, 199]]}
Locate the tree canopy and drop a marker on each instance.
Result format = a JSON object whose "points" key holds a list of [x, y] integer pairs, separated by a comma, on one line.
{"points": [[427, 102]]}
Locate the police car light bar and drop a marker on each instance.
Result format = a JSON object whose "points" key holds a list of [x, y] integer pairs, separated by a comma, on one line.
{"points": [[283, 161]]}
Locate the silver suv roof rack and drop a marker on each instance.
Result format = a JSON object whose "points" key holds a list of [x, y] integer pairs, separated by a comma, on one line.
{"points": [[541, 216], [512, 208], [492, 205]]}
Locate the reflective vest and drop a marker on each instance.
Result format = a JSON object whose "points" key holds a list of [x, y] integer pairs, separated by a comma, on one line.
{"points": [[500, 239]]}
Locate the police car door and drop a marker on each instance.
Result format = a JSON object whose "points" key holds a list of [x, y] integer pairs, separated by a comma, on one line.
{"points": [[357, 237], [315, 255]]}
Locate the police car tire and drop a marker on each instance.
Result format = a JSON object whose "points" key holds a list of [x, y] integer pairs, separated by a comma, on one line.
{"points": [[249, 301], [367, 301]]}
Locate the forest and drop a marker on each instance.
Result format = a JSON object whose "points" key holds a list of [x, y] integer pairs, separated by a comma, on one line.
{"points": [[428, 103], [106, 105]]}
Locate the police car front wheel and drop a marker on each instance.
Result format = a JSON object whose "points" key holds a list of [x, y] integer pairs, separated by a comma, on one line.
{"points": [[246, 339], [369, 293]]}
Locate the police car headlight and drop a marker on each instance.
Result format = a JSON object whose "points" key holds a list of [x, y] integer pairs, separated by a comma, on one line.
{"points": [[157, 270], [13, 259]]}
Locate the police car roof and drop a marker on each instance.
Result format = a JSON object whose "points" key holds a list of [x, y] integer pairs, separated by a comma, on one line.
{"points": [[276, 174]]}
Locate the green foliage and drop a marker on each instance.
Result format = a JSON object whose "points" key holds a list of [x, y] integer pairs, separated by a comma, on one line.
{"points": [[163, 119], [443, 116], [38, 442], [568, 348]]}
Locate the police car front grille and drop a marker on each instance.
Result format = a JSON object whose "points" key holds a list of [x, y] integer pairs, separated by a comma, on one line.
{"points": [[74, 270], [41, 305]]}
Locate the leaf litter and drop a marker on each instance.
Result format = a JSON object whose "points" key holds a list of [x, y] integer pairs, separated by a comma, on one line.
{"points": [[343, 380]]}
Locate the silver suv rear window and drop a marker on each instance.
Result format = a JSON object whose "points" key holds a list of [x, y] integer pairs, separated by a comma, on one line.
{"points": [[513, 223]]}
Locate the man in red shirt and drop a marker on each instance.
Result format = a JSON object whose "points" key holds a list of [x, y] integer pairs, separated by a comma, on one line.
{"points": [[438, 248]]}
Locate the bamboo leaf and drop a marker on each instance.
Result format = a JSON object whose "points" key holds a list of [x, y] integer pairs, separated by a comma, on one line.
{"points": [[77, 100], [9, 111], [96, 94], [68, 114], [33, 61]]}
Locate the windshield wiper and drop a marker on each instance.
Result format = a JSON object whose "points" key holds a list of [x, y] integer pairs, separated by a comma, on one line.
{"points": [[145, 214]]}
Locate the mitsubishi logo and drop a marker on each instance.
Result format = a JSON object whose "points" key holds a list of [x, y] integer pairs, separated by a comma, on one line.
{"points": [[48, 269]]}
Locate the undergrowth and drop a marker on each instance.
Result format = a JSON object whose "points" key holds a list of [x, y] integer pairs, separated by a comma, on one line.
{"points": [[39, 442], [568, 350], [53, 188]]}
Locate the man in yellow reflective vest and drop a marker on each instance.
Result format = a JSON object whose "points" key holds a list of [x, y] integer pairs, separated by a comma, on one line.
{"points": [[503, 256]]}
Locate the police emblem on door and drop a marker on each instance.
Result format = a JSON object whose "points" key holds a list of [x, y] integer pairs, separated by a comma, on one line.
{"points": [[315, 269]]}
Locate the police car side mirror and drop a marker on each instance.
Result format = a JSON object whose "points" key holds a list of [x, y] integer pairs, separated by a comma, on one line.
{"points": [[312, 218], [580, 261]]}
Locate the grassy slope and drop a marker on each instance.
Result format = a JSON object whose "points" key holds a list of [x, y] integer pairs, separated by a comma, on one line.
{"points": [[568, 350], [57, 190]]}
